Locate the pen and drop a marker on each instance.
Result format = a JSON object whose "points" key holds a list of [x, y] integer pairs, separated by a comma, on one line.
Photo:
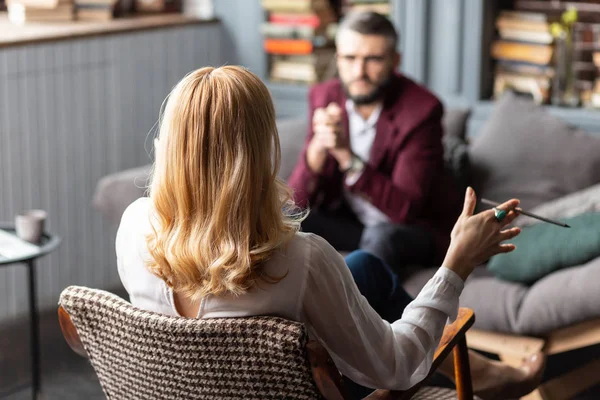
{"points": [[520, 211]]}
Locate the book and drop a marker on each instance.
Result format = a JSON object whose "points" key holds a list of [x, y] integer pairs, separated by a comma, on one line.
{"points": [[20, 14], [536, 87], [295, 71], [288, 46], [524, 52], [380, 8], [288, 31], [39, 4], [521, 68], [312, 19], [520, 35], [523, 21], [95, 13], [95, 3], [366, 1], [95, 10], [295, 5], [320, 56], [587, 11], [12, 247], [526, 16]]}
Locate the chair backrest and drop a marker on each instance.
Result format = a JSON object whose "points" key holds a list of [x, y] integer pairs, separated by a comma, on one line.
{"points": [[139, 354]]}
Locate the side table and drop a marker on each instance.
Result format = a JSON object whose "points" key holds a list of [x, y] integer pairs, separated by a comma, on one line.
{"points": [[48, 244]]}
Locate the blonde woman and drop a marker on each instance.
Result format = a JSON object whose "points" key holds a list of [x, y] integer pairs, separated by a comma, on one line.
{"points": [[219, 237]]}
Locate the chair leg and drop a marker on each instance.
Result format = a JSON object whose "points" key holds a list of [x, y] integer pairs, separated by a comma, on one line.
{"points": [[462, 371]]}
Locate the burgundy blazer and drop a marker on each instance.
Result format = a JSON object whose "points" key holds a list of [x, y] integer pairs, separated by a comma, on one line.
{"points": [[404, 176]]}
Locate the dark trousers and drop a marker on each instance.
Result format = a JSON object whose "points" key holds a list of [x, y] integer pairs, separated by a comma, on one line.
{"points": [[397, 245], [381, 287]]}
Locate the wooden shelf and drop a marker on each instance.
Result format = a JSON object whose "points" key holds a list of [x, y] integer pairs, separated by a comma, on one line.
{"points": [[33, 33]]}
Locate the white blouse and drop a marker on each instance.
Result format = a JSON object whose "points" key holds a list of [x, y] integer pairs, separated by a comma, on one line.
{"points": [[318, 291]]}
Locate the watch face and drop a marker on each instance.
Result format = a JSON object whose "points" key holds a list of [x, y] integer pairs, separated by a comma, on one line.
{"points": [[357, 164]]}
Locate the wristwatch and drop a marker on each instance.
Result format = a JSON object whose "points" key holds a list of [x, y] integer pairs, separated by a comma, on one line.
{"points": [[356, 165]]}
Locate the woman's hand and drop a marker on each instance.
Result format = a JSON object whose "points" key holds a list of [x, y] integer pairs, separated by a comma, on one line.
{"points": [[475, 238]]}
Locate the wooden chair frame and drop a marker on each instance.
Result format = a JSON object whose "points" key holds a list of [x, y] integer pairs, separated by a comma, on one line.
{"points": [[328, 379], [513, 348]]}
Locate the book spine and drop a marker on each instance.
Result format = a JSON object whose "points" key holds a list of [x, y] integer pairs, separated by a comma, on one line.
{"points": [[288, 46], [312, 21]]}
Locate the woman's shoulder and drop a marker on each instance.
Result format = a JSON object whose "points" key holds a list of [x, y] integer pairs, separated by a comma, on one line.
{"points": [[310, 241], [135, 218], [139, 208], [316, 250]]}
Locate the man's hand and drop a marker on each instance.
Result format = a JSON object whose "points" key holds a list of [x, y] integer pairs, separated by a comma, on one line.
{"points": [[328, 137]]}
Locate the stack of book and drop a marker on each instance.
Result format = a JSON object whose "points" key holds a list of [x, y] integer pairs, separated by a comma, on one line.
{"points": [[379, 6], [24, 11], [586, 32], [299, 40], [523, 54], [95, 10]]}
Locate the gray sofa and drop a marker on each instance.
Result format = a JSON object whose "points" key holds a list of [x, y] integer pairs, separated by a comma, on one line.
{"points": [[520, 152]]}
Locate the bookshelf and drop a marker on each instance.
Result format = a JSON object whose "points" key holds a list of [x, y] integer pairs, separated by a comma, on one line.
{"points": [[538, 52], [299, 37]]}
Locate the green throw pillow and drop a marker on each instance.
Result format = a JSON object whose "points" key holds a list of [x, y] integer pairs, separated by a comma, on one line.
{"points": [[543, 248]]}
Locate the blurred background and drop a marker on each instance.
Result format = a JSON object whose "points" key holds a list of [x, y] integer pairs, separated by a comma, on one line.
{"points": [[82, 82]]}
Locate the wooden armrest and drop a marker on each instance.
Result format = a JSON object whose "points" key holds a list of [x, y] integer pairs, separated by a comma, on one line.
{"points": [[70, 332], [454, 335]]}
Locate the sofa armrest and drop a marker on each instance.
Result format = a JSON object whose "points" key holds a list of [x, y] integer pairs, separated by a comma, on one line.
{"points": [[116, 191]]}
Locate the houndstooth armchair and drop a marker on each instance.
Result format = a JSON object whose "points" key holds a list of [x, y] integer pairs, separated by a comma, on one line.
{"points": [[139, 354]]}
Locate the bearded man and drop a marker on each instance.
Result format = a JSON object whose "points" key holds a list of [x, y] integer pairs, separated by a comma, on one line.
{"points": [[372, 169]]}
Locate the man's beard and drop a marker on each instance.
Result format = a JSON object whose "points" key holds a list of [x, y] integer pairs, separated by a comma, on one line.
{"points": [[377, 94]]}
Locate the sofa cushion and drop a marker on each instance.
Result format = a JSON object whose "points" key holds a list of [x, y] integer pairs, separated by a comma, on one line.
{"points": [[582, 201], [454, 122], [545, 248], [292, 134], [526, 153], [564, 297]]}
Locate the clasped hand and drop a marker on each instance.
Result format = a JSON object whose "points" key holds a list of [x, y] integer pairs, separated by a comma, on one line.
{"points": [[328, 136]]}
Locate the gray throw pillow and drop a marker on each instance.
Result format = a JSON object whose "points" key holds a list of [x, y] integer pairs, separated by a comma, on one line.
{"points": [[454, 122], [526, 153], [571, 205], [545, 248]]}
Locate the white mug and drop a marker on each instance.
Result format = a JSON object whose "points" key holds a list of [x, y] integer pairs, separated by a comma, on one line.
{"points": [[30, 225]]}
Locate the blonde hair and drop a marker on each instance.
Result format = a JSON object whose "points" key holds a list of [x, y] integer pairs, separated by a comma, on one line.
{"points": [[219, 209]]}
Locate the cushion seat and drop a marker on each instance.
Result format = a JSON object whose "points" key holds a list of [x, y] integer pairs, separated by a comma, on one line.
{"points": [[560, 299]]}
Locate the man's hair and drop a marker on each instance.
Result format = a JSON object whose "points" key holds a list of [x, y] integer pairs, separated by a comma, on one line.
{"points": [[220, 211], [370, 23]]}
